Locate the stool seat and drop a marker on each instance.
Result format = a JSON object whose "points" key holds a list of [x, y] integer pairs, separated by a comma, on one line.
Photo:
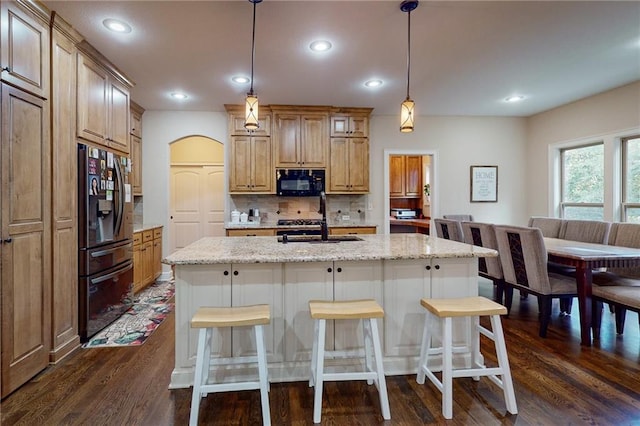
{"points": [[235, 316], [463, 307], [345, 309]]}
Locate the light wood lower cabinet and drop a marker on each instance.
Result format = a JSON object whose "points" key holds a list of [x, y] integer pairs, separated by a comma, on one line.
{"points": [[348, 230], [147, 257]]}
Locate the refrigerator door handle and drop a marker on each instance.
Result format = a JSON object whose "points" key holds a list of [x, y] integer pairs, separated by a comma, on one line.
{"points": [[109, 251], [120, 211], [111, 275]]}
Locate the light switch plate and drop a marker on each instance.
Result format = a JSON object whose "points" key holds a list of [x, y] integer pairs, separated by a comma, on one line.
{"points": [[346, 217]]}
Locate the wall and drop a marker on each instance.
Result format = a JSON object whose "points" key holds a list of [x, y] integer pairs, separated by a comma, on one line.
{"points": [[458, 142], [159, 129], [613, 111]]}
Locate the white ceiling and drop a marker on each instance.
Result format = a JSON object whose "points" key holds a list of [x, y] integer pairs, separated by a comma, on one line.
{"points": [[466, 57]]}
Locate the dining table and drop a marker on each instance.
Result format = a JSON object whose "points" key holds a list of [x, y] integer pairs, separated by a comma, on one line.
{"points": [[586, 257]]}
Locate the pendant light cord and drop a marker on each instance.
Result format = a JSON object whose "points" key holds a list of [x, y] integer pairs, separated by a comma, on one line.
{"points": [[408, 51], [253, 45]]}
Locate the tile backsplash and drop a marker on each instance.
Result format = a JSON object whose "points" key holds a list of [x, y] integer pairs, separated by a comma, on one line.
{"points": [[273, 207]]}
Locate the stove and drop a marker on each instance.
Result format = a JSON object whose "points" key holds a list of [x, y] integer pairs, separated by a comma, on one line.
{"points": [[305, 222]]}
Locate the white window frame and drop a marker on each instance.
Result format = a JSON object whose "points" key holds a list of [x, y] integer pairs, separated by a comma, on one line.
{"points": [[624, 205], [612, 171]]}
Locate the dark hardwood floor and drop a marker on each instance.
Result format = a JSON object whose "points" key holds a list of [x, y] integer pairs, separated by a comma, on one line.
{"points": [[557, 382]]}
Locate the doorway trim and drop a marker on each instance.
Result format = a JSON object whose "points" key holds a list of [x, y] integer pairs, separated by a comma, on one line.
{"points": [[434, 180]]}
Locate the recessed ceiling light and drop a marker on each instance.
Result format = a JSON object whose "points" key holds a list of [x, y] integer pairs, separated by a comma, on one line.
{"points": [[514, 98], [320, 46], [116, 26], [240, 79], [179, 95], [373, 83]]}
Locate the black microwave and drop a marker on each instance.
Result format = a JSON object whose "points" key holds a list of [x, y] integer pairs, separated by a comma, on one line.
{"points": [[299, 183]]}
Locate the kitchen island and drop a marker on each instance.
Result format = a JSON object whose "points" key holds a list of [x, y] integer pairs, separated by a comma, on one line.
{"points": [[396, 270]]}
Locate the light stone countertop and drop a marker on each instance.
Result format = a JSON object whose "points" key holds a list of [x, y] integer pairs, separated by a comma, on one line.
{"points": [[145, 227], [274, 225], [217, 250]]}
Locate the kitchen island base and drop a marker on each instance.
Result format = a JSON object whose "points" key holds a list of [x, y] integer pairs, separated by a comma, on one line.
{"points": [[397, 285]]}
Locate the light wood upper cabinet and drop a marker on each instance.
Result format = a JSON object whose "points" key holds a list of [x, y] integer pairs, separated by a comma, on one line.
{"points": [[251, 166], [349, 165], [356, 126], [300, 140], [24, 47], [405, 176], [135, 149], [236, 123], [136, 119], [103, 106]]}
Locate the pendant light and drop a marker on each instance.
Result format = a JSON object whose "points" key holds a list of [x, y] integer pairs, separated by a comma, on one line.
{"points": [[406, 109], [251, 102]]}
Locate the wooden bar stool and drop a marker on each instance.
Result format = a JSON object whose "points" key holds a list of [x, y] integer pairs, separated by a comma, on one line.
{"points": [[474, 307], [206, 319], [366, 310]]}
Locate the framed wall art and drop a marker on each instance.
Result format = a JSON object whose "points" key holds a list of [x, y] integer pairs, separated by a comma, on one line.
{"points": [[484, 184]]}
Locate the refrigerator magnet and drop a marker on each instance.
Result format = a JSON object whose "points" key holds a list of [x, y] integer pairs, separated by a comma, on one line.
{"points": [[110, 160], [109, 195]]}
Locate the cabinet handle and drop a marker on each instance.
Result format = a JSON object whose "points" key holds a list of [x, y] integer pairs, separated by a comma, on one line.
{"points": [[226, 273], [329, 270], [339, 269], [428, 268], [235, 273], [7, 69], [437, 266], [7, 240]]}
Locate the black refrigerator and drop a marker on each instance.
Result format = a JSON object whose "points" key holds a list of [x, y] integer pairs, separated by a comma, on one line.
{"points": [[105, 239]]}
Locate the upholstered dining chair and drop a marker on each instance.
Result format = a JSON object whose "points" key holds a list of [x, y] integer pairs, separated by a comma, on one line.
{"points": [[620, 287], [586, 231], [459, 217], [483, 235], [449, 229], [550, 226], [524, 264]]}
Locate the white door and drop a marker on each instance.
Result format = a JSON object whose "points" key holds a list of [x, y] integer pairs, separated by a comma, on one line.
{"points": [[197, 204]]}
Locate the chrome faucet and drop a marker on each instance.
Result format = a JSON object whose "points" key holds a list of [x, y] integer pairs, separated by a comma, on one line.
{"points": [[324, 229]]}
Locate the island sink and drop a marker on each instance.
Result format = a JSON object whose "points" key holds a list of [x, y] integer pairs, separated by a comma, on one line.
{"points": [[316, 239]]}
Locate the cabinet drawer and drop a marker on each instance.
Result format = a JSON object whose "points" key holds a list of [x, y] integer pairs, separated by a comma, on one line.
{"points": [[137, 238], [147, 236], [352, 230], [157, 233]]}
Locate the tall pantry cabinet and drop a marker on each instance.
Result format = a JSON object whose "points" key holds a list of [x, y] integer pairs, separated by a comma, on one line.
{"points": [[25, 200], [64, 295]]}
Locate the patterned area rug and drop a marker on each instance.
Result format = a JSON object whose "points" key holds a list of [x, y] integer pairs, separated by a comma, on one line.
{"points": [[133, 328]]}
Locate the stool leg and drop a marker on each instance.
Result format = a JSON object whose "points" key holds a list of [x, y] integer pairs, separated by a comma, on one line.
{"points": [[198, 376], [503, 362], [263, 375], [314, 355], [475, 345], [424, 349], [317, 399], [366, 332], [382, 383], [447, 369]]}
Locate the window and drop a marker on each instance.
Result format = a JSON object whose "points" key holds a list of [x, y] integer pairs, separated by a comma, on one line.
{"points": [[631, 179], [582, 185]]}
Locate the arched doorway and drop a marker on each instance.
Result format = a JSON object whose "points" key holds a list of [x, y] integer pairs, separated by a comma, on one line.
{"points": [[196, 199]]}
